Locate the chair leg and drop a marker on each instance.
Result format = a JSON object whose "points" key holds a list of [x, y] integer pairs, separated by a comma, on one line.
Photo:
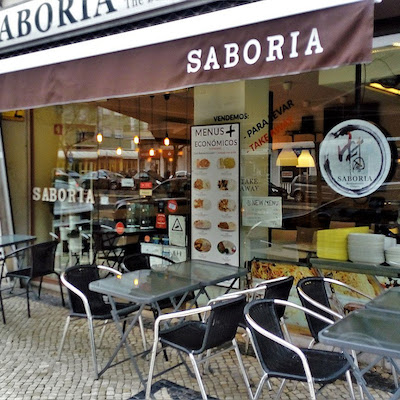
{"points": [[242, 369], [354, 355], [61, 290], [198, 377], [151, 368], [260, 387], [2, 307], [93, 348], [40, 286], [350, 383], [283, 384], [63, 337], [27, 298]]}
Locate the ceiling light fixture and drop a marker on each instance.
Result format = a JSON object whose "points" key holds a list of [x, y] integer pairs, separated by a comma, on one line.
{"points": [[151, 152], [287, 158], [305, 159], [166, 138]]}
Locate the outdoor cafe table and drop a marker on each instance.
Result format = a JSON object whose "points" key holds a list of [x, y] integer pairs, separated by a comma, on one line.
{"points": [[12, 240], [370, 331], [387, 301], [145, 287]]}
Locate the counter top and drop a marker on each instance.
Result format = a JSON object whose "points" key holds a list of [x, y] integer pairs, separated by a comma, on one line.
{"points": [[359, 268]]}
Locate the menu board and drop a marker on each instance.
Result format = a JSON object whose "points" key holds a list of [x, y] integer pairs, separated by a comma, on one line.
{"points": [[262, 211], [215, 193]]}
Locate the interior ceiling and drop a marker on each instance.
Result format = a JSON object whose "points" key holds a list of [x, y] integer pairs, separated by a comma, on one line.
{"points": [[387, 9], [174, 114]]}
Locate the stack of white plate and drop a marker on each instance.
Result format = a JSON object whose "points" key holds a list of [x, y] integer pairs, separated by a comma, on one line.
{"points": [[366, 248], [393, 256]]}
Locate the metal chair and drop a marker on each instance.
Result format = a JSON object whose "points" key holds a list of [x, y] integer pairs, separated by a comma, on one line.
{"points": [[42, 258], [315, 293], [195, 338], [280, 359], [85, 303], [277, 288], [105, 247]]}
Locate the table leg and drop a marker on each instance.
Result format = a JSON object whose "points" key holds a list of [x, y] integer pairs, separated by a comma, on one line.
{"points": [[124, 340]]}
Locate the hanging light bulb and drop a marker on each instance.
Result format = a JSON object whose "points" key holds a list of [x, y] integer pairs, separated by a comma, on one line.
{"points": [[99, 137], [166, 140], [136, 139], [119, 150], [151, 152], [287, 158], [305, 160]]}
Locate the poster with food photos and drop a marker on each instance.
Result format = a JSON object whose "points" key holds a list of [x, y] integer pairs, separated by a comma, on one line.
{"points": [[215, 193]]}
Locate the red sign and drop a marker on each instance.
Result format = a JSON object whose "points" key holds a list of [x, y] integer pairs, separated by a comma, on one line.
{"points": [[161, 221], [146, 185], [172, 206], [120, 228]]}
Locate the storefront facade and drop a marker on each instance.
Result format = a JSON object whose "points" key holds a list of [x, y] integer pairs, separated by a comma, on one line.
{"points": [[243, 92]]}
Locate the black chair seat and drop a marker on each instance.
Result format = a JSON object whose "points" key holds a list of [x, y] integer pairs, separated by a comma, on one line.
{"points": [[187, 337], [20, 273], [326, 367]]}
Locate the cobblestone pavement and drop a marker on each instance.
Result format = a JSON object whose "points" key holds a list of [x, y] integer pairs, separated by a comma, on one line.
{"points": [[29, 368]]}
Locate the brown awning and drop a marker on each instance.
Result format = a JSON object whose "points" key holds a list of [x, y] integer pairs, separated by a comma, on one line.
{"points": [[315, 40]]}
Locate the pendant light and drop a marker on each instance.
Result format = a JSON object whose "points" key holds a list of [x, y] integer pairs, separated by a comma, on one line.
{"points": [[119, 148], [136, 138], [305, 159], [166, 138], [287, 158], [99, 137], [151, 152]]}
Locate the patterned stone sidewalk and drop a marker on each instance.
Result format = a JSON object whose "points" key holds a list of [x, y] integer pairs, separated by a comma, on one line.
{"points": [[29, 368]]}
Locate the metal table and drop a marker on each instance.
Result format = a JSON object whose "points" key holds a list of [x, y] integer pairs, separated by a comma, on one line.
{"points": [[9, 240], [369, 331], [207, 273], [12, 240], [146, 287], [387, 301]]}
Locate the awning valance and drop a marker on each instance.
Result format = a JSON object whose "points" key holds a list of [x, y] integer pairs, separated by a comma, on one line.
{"points": [[319, 39]]}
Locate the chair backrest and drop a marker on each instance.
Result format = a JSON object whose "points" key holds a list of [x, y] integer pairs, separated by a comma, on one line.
{"points": [[137, 261], [272, 355], [223, 321], [279, 289], [80, 276], [104, 240], [315, 288], [43, 258]]}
